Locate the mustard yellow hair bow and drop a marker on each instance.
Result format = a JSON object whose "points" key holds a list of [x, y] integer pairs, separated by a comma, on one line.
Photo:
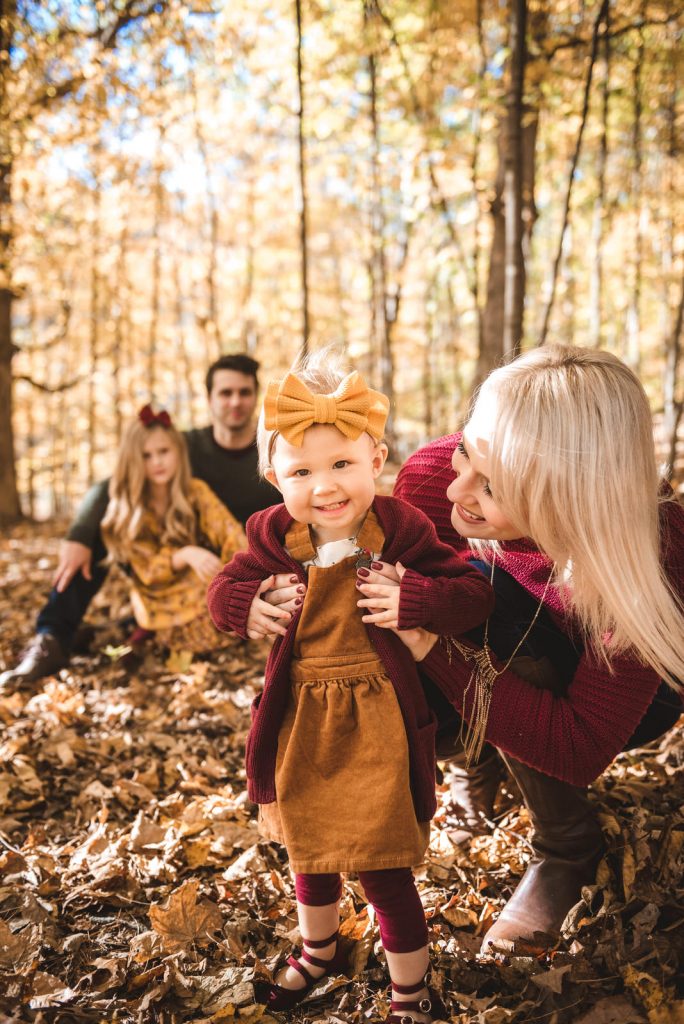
{"points": [[290, 408]]}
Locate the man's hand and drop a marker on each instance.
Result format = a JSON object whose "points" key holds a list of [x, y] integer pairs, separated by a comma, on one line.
{"points": [[264, 618], [73, 557], [380, 590], [205, 563]]}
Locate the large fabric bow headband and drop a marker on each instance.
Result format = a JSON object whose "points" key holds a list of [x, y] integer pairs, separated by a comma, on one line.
{"points": [[290, 408], [154, 419]]}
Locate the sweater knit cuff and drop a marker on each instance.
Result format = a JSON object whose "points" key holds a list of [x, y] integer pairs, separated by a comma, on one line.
{"points": [[230, 611], [413, 600]]}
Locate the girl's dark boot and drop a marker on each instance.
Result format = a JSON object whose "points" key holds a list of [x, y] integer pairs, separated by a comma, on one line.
{"points": [[568, 845]]}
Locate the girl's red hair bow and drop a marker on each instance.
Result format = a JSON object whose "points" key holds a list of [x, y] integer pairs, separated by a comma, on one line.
{"points": [[153, 419]]}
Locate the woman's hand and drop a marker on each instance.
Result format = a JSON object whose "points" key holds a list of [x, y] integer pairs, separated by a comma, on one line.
{"points": [[418, 641], [265, 617], [205, 563], [380, 588], [286, 592]]}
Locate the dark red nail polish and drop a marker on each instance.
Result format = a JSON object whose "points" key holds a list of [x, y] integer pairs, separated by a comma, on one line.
{"points": [[376, 565], [294, 579], [301, 590], [363, 572], [298, 600]]}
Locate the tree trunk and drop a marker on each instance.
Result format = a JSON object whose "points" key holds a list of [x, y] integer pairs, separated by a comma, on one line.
{"points": [[303, 209], [94, 326], [384, 312], [491, 351], [9, 497], [514, 290], [153, 338], [183, 352], [600, 18], [673, 408], [121, 327], [475, 173], [596, 283], [212, 318], [632, 355]]}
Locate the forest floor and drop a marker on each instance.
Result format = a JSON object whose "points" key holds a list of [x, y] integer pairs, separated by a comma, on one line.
{"points": [[134, 886]]}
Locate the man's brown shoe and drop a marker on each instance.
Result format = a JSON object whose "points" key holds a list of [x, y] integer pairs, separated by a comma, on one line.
{"points": [[42, 656]]}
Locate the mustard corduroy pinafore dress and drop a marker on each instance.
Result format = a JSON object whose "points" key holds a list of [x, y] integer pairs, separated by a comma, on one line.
{"points": [[342, 772]]}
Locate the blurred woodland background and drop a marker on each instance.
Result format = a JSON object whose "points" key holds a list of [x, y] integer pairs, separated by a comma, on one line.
{"points": [[432, 184]]}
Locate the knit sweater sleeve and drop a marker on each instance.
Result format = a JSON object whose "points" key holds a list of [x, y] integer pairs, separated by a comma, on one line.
{"points": [[232, 591], [440, 591], [572, 737]]}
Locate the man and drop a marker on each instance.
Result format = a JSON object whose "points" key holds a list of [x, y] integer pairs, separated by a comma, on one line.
{"points": [[223, 454]]}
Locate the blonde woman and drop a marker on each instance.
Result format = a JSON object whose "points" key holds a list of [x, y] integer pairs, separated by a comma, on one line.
{"points": [[169, 531], [553, 488]]}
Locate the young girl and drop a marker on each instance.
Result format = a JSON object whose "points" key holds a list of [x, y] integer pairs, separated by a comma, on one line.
{"points": [[164, 527], [340, 755]]}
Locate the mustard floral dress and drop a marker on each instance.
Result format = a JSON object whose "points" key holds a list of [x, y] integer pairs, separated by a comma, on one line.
{"points": [[174, 604]]}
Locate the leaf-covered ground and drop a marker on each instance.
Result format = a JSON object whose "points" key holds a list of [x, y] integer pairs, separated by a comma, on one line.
{"points": [[134, 886]]}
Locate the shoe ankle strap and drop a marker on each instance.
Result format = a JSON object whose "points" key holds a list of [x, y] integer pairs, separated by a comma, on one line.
{"points": [[420, 1005], [321, 943], [408, 990]]}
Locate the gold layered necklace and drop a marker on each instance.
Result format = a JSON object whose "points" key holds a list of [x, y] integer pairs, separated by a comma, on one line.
{"points": [[483, 677]]}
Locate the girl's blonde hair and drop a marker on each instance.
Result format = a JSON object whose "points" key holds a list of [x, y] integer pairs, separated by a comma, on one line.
{"points": [[322, 372], [573, 467], [128, 494]]}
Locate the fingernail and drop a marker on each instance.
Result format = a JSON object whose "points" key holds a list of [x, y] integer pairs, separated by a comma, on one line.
{"points": [[294, 579], [363, 572], [359, 584], [301, 590], [376, 565], [298, 600]]}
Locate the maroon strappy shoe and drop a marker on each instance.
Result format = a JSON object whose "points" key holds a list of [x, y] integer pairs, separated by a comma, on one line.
{"points": [[431, 1004], [277, 997]]}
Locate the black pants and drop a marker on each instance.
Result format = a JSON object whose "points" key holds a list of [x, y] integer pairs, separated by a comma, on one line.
{"points": [[62, 613], [515, 608]]}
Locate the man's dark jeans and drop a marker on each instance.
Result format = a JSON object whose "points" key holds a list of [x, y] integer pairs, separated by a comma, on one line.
{"points": [[61, 615]]}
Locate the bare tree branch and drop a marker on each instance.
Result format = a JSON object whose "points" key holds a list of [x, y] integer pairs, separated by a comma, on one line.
{"points": [[573, 42], [107, 36], [44, 387]]}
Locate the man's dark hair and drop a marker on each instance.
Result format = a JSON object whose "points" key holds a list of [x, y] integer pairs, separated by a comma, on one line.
{"points": [[239, 362]]}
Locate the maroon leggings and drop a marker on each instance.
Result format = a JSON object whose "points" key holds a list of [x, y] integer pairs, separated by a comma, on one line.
{"points": [[393, 894]]}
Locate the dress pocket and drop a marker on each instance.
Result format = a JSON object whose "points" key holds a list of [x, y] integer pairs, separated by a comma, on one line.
{"points": [[254, 713], [424, 796]]}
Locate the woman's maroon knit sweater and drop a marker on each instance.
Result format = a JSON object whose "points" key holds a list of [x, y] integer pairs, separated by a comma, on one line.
{"points": [[439, 591], [573, 737]]}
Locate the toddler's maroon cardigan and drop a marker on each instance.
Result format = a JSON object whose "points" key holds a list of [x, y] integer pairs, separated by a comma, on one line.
{"points": [[439, 591], [573, 737]]}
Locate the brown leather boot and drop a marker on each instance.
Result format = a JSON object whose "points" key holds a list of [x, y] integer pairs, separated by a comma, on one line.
{"points": [[473, 792], [42, 656], [568, 845]]}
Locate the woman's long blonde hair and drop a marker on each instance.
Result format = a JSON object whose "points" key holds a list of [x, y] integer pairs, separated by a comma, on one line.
{"points": [[573, 467], [128, 494]]}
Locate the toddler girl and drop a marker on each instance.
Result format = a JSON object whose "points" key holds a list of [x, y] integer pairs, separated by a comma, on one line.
{"points": [[340, 756], [165, 527]]}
